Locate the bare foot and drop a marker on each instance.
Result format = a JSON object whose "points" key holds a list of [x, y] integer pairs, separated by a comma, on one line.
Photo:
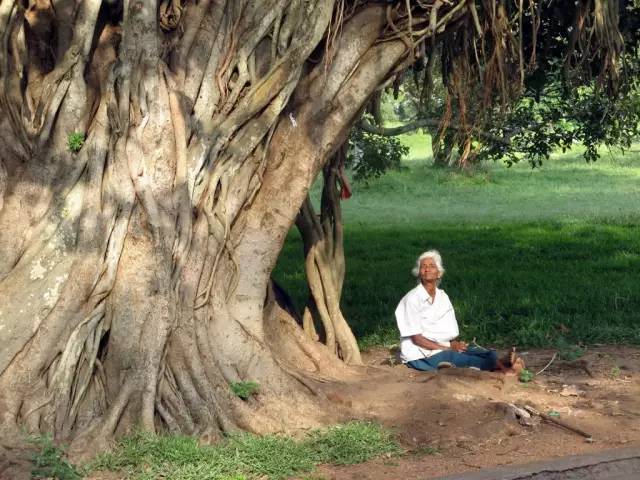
{"points": [[517, 365], [511, 364]]}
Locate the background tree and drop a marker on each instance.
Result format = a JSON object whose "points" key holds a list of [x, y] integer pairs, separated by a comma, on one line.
{"points": [[154, 155], [563, 98]]}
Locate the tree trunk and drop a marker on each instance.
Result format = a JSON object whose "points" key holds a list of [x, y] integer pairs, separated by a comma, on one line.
{"points": [[134, 272], [323, 240]]}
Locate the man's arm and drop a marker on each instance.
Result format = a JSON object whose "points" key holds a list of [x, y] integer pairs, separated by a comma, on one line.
{"points": [[424, 342]]}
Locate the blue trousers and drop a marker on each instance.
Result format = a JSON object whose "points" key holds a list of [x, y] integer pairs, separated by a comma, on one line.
{"points": [[473, 357]]}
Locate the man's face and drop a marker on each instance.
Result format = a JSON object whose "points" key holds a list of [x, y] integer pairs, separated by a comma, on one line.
{"points": [[428, 270]]}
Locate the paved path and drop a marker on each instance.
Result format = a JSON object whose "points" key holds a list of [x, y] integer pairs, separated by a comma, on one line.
{"points": [[619, 464]]}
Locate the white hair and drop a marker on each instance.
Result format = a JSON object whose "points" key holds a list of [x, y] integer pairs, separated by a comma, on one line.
{"points": [[437, 258]]}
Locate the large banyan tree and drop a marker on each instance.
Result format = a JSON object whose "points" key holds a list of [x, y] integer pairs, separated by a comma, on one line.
{"points": [[154, 155]]}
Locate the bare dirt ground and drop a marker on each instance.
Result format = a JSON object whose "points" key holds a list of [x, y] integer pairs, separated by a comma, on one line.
{"points": [[454, 421]]}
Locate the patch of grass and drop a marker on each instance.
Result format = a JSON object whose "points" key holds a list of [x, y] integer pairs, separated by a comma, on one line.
{"points": [[49, 461], [244, 389], [145, 457], [354, 442], [75, 141], [531, 255], [565, 188]]}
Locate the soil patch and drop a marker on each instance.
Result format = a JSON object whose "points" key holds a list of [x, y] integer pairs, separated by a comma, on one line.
{"points": [[455, 421]]}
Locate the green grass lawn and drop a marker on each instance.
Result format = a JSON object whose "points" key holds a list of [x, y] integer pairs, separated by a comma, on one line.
{"points": [[533, 256]]}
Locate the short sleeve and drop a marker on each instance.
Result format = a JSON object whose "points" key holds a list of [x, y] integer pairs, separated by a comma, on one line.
{"points": [[408, 317]]}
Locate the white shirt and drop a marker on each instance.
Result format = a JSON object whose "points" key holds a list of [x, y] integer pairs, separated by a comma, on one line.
{"points": [[433, 318]]}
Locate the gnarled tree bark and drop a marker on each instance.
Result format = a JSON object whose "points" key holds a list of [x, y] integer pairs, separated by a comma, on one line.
{"points": [[134, 273]]}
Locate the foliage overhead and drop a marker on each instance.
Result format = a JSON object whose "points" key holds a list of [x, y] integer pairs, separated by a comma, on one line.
{"points": [[544, 121], [371, 155], [534, 77]]}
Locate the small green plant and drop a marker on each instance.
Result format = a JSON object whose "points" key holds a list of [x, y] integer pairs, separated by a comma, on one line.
{"points": [[244, 389], [614, 373], [426, 450], [49, 461], [353, 442], [526, 375], [75, 141]]}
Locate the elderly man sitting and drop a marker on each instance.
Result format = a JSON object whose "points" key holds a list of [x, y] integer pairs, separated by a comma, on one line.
{"points": [[428, 326]]}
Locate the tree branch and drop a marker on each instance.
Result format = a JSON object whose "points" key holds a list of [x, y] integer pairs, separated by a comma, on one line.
{"points": [[422, 123], [394, 131]]}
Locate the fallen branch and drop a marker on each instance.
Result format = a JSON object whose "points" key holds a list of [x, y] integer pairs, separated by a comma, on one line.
{"points": [[548, 364], [517, 413], [560, 423]]}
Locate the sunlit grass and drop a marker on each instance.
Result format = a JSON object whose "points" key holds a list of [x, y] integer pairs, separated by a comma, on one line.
{"points": [[563, 188], [146, 457]]}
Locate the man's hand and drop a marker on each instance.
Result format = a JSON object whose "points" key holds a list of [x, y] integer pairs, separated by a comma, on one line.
{"points": [[458, 346], [424, 342]]}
